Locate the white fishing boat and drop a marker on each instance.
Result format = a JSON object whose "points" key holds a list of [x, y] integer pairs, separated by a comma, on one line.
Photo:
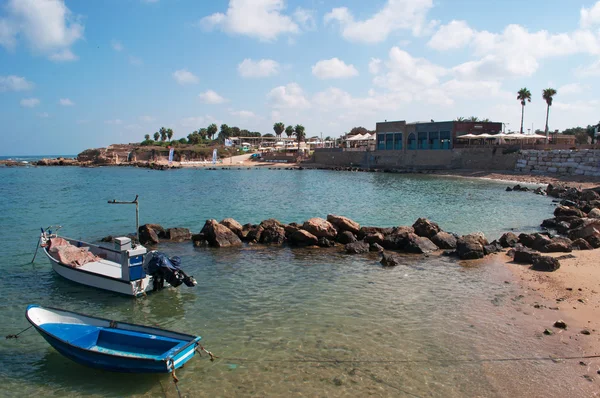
{"points": [[126, 267]]}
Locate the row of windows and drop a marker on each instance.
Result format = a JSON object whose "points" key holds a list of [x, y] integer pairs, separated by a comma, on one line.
{"points": [[431, 140]]}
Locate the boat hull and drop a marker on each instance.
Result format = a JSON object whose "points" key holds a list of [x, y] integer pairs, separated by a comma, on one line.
{"points": [[128, 361], [129, 288]]}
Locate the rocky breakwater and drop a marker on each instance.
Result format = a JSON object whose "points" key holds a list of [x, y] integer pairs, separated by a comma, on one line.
{"points": [[575, 226], [423, 237]]}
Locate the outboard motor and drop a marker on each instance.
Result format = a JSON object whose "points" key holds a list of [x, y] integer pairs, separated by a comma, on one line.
{"points": [[162, 268]]}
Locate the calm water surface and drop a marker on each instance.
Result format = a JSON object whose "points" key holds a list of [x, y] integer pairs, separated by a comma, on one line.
{"points": [[285, 322]]}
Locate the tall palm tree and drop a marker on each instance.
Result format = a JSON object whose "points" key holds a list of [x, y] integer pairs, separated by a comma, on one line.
{"points": [[548, 95], [300, 134], [156, 136], [169, 134], [523, 95], [212, 130], [147, 137], [278, 128], [289, 131], [163, 134], [473, 119]]}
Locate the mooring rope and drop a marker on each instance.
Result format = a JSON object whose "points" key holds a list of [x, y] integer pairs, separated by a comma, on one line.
{"points": [[16, 336]]}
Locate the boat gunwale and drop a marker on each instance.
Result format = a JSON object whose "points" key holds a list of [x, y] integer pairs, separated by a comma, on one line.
{"points": [[194, 339]]}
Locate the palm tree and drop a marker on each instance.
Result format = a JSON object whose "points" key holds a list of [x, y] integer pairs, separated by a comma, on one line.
{"points": [[147, 137], [203, 133], [156, 136], [300, 135], [460, 119], [169, 134], [523, 95], [278, 128], [473, 119], [163, 134], [548, 95], [289, 131], [212, 130]]}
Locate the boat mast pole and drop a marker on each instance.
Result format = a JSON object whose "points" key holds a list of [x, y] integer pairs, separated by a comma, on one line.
{"points": [[137, 213]]}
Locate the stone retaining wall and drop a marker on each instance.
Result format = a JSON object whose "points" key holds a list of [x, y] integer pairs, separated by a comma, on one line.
{"points": [[568, 162]]}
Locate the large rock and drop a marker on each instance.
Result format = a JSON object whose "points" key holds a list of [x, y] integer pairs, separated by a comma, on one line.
{"points": [[526, 239], [524, 255], [271, 222], [568, 211], [594, 213], [549, 223], [357, 247], [561, 245], [178, 234], [594, 240], [470, 247], [390, 259], [556, 191], [364, 231], [345, 237], [148, 234], [419, 244], [291, 228], [272, 235], [199, 240], [509, 239], [581, 244], [219, 235], [426, 228], [303, 238], [588, 195], [540, 242], [344, 223], [377, 237], [545, 263], [320, 228], [444, 240], [324, 242], [396, 241], [589, 228], [234, 226]]}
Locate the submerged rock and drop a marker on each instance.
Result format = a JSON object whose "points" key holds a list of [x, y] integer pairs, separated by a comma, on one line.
{"points": [[324, 242], [357, 247], [390, 259], [178, 234]]}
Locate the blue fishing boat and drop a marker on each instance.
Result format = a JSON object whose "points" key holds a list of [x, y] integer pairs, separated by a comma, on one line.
{"points": [[110, 345]]}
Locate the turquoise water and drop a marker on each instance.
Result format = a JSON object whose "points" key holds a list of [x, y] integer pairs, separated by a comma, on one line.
{"points": [[283, 321]]}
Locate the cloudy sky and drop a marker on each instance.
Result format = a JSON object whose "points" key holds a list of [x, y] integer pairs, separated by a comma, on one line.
{"points": [[80, 74]]}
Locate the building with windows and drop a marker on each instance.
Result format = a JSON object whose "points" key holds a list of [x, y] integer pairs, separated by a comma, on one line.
{"points": [[400, 136]]}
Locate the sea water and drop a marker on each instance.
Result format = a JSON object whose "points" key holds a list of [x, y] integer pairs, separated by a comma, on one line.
{"points": [[284, 322]]}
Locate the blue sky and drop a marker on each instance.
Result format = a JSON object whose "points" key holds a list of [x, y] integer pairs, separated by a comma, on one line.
{"points": [[81, 74]]}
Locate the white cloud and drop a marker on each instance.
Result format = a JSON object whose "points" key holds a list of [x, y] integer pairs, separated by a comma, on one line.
{"points": [[243, 114], [305, 18], [66, 102], [114, 122], [48, 26], [116, 45], [262, 68], [454, 35], [405, 70], [147, 119], [394, 16], [261, 19], [572, 88], [43, 115], [136, 61], [30, 102], [197, 122], [333, 68], [590, 16], [63, 56], [288, 96], [211, 97], [183, 77], [591, 70], [374, 66], [15, 83], [577, 106]]}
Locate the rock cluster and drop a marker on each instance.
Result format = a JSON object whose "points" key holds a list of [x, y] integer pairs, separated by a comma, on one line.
{"points": [[423, 237]]}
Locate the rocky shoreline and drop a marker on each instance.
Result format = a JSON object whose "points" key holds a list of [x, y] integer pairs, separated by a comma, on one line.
{"points": [[576, 226]]}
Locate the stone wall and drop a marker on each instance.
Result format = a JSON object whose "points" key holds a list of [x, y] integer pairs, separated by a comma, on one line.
{"points": [[568, 162], [467, 158]]}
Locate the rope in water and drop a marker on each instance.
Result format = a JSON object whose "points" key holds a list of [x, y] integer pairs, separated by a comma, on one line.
{"points": [[16, 336], [384, 361]]}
